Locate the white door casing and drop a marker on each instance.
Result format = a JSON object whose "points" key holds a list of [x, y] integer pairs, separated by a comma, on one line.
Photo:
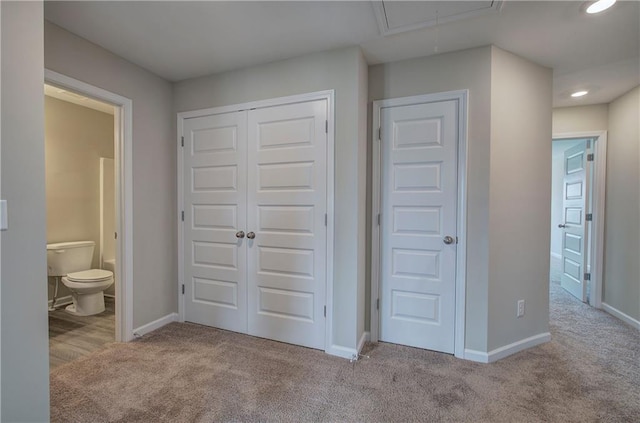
{"points": [[215, 185], [265, 172], [574, 226], [418, 210], [287, 205]]}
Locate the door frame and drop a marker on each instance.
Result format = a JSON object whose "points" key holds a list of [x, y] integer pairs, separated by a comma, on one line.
{"points": [[598, 191], [327, 95], [461, 97], [123, 145]]}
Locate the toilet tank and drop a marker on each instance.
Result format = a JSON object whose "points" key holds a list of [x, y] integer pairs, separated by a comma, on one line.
{"points": [[68, 257]]}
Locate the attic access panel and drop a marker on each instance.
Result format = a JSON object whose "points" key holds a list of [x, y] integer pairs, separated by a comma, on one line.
{"points": [[401, 16]]}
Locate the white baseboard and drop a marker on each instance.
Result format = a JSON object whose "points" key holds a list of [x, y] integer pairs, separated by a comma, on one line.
{"points": [[477, 356], [366, 336], [61, 301], [507, 350], [620, 315], [156, 324], [346, 352], [556, 256], [340, 351]]}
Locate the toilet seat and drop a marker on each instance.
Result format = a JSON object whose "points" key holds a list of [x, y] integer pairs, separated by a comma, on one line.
{"points": [[88, 276]]}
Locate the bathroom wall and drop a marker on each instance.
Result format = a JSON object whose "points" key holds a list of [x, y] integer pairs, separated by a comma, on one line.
{"points": [[76, 137]]}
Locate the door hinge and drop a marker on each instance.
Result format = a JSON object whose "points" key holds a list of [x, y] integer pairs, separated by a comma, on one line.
{"points": [[182, 215], [378, 219], [182, 142], [588, 217], [379, 133], [326, 126], [378, 304], [182, 289], [326, 219], [115, 235], [325, 311], [587, 276], [590, 157], [456, 240]]}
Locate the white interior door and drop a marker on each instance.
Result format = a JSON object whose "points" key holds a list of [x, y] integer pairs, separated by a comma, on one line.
{"points": [[574, 226], [418, 213], [215, 185], [255, 235], [287, 203]]}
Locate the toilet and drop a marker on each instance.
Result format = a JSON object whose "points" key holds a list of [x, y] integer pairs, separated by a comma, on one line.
{"points": [[71, 261]]}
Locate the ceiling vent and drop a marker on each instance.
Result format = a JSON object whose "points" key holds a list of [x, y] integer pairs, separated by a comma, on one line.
{"points": [[395, 17]]}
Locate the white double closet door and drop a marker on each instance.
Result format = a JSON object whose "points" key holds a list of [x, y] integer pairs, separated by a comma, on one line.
{"points": [[255, 194]]}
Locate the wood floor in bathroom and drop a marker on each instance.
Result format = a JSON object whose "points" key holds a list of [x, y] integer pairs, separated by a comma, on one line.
{"points": [[71, 337]]}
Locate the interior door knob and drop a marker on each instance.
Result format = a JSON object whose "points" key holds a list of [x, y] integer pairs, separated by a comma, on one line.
{"points": [[251, 235], [562, 225], [239, 234], [448, 240]]}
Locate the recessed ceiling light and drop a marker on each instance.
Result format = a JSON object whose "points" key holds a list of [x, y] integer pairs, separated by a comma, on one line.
{"points": [[579, 93], [600, 6]]}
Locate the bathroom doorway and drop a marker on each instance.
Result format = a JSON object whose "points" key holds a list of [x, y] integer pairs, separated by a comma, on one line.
{"points": [[80, 199], [89, 198]]}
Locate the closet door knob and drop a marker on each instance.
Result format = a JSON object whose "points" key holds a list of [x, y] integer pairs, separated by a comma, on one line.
{"points": [[239, 234], [251, 235]]}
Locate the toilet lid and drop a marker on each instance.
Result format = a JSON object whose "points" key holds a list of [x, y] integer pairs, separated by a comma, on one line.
{"points": [[93, 275]]}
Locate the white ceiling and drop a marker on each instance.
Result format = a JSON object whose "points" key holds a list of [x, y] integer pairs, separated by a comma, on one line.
{"points": [[178, 39]]}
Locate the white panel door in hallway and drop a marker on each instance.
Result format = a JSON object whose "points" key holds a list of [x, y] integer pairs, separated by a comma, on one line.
{"points": [[418, 224], [255, 222], [574, 226], [215, 208]]}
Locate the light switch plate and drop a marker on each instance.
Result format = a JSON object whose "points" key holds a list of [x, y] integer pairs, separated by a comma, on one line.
{"points": [[4, 220]]}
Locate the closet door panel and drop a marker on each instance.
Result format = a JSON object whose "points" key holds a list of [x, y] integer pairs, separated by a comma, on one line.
{"points": [[215, 186], [287, 172]]}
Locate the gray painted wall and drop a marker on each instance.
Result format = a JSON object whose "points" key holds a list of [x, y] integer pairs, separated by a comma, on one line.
{"points": [[339, 70], [520, 198], [24, 330], [154, 163], [580, 119], [622, 206], [470, 69]]}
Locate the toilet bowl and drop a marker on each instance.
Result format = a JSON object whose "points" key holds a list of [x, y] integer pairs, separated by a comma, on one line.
{"points": [[87, 288]]}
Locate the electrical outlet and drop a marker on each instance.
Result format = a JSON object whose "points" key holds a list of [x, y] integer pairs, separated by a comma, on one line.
{"points": [[520, 312]]}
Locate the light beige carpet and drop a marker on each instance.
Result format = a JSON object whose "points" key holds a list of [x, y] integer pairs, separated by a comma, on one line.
{"points": [[589, 372]]}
